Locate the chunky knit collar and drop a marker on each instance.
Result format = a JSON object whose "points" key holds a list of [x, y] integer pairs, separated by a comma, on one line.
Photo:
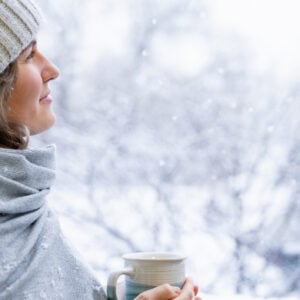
{"points": [[24, 175], [36, 262], [25, 179]]}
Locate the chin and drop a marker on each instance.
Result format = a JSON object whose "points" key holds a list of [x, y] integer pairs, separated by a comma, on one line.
{"points": [[43, 127]]}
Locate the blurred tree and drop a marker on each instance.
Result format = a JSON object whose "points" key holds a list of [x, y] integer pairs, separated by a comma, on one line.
{"points": [[163, 156]]}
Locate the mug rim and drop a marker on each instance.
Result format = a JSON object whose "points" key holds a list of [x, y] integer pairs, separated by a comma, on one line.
{"points": [[154, 256]]}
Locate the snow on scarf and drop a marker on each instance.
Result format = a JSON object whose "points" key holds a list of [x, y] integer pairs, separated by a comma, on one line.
{"points": [[35, 260]]}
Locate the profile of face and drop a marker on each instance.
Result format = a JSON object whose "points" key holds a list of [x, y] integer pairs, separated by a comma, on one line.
{"points": [[30, 101]]}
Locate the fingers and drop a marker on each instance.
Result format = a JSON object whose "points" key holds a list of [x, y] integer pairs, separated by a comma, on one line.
{"points": [[196, 289], [162, 292], [166, 292], [189, 291]]}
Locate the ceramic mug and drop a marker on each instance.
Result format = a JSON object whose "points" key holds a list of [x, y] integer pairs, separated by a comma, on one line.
{"points": [[145, 270]]}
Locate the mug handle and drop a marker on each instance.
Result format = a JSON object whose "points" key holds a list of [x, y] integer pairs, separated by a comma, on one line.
{"points": [[112, 282]]}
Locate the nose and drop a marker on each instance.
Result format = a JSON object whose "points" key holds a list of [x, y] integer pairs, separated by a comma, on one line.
{"points": [[49, 71]]}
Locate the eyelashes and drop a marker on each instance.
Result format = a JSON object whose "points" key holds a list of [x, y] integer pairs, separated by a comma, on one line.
{"points": [[31, 55]]}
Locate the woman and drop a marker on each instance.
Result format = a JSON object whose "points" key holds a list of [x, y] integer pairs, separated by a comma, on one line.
{"points": [[36, 261]]}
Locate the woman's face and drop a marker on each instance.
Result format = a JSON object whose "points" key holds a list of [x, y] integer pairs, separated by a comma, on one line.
{"points": [[30, 102]]}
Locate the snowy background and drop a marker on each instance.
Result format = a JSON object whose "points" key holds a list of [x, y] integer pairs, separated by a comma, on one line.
{"points": [[178, 130]]}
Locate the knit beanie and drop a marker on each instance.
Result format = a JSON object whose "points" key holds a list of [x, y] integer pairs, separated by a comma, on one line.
{"points": [[19, 23]]}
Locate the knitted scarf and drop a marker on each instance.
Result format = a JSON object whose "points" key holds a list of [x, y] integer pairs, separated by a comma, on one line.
{"points": [[36, 262]]}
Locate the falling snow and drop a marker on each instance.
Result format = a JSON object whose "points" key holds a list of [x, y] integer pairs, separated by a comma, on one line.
{"points": [[178, 130]]}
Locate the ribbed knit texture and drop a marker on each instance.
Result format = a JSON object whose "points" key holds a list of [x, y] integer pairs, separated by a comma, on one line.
{"points": [[19, 23], [36, 261]]}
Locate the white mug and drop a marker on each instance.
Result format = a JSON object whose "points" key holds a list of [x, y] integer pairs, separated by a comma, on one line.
{"points": [[145, 270]]}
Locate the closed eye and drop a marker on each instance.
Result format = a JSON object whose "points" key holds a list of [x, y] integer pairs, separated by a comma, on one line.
{"points": [[31, 55], [29, 52]]}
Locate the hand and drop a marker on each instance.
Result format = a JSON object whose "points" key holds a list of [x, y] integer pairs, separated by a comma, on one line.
{"points": [[189, 291], [166, 292]]}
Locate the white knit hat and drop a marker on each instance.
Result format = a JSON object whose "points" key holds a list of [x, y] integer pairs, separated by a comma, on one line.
{"points": [[19, 23]]}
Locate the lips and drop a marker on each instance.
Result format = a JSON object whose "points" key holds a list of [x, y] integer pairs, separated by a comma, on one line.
{"points": [[46, 98]]}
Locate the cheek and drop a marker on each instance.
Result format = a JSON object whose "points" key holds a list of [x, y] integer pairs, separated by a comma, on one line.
{"points": [[29, 87], [25, 97]]}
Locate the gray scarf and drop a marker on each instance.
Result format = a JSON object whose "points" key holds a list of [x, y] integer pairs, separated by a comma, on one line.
{"points": [[36, 262]]}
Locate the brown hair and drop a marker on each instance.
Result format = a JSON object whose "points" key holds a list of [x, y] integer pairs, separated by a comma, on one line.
{"points": [[14, 136]]}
